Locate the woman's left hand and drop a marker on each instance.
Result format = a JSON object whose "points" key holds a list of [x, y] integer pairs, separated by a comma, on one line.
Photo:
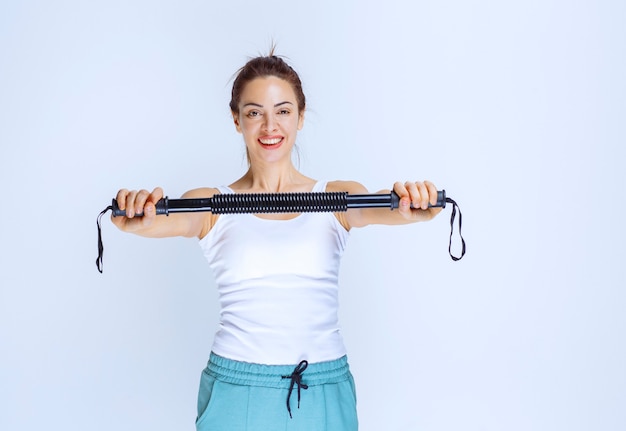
{"points": [[420, 195]]}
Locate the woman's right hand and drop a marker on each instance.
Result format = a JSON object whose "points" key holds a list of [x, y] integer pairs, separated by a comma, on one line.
{"points": [[136, 202]]}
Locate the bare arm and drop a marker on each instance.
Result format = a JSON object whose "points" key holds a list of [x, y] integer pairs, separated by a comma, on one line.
{"points": [[420, 194], [149, 225]]}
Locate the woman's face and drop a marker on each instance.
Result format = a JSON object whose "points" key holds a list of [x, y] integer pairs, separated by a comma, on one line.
{"points": [[268, 119]]}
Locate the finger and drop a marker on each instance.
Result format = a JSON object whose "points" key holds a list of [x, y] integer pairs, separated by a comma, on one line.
{"points": [[400, 190], [432, 192], [121, 198], [149, 208], [140, 201], [130, 203], [404, 204], [414, 193], [423, 190], [149, 205], [156, 195], [149, 213]]}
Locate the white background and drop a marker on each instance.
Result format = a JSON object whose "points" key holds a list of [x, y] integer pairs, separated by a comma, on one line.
{"points": [[516, 108]]}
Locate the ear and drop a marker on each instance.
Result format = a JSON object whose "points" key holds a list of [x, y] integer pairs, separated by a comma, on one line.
{"points": [[301, 120], [236, 121]]}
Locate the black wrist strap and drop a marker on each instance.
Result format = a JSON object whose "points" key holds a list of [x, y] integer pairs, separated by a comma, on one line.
{"points": [[455, 207], [100, 245]]}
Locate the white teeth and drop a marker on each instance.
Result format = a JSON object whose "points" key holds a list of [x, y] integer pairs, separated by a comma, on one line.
{"points": [[270, 141]]}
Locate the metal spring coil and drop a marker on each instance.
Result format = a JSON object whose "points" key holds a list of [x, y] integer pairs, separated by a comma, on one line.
{"points": [[240, 203]]}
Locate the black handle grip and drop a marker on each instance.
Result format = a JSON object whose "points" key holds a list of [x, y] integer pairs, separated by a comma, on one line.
{"points": [[441, 200], [162, 207]]}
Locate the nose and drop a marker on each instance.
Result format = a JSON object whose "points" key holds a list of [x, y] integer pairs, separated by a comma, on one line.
{"points": [[270, 122]]}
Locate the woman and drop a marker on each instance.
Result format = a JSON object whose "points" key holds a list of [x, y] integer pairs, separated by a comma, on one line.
{"points": [[278, 361]]}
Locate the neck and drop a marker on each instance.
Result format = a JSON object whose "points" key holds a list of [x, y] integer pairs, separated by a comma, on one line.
{"points": [[271, 178]]}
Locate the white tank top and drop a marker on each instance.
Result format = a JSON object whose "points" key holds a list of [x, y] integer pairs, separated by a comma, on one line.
{"points": [[278, 286]]}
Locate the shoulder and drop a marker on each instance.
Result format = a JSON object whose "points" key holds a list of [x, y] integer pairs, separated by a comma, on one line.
{"points": [[352, 187], [202, 222], [201, 192], [350, 218]]}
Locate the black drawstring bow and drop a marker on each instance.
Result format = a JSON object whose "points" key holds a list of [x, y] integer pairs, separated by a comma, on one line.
{"points": [[296, 379]]}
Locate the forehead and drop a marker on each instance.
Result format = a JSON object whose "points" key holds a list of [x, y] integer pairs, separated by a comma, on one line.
{"points": [[268, 88]]}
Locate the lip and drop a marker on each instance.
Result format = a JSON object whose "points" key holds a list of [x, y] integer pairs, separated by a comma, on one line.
{"points": [[271, 142]]}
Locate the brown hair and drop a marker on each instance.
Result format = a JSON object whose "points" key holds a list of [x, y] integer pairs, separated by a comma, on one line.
{"points": [[263, 66]]}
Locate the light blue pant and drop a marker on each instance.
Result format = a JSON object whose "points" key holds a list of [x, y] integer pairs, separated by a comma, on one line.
{"points": [[239, 396]]}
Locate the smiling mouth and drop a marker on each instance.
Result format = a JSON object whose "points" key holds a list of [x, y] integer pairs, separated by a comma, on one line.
{"points": [[271, 141]]}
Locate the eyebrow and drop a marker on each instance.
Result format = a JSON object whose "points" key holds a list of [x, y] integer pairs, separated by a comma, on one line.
{"points": [[275, 106]]}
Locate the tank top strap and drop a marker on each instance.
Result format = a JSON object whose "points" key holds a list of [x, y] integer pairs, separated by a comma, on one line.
{"points": [[320, 186], [224, 190]]}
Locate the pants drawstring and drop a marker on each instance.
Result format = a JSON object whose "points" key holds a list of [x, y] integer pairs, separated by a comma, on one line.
{"points": [[296, 379]]}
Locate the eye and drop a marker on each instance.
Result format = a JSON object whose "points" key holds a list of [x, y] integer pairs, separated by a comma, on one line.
{"points": [[253, 114], [284, 112]]}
